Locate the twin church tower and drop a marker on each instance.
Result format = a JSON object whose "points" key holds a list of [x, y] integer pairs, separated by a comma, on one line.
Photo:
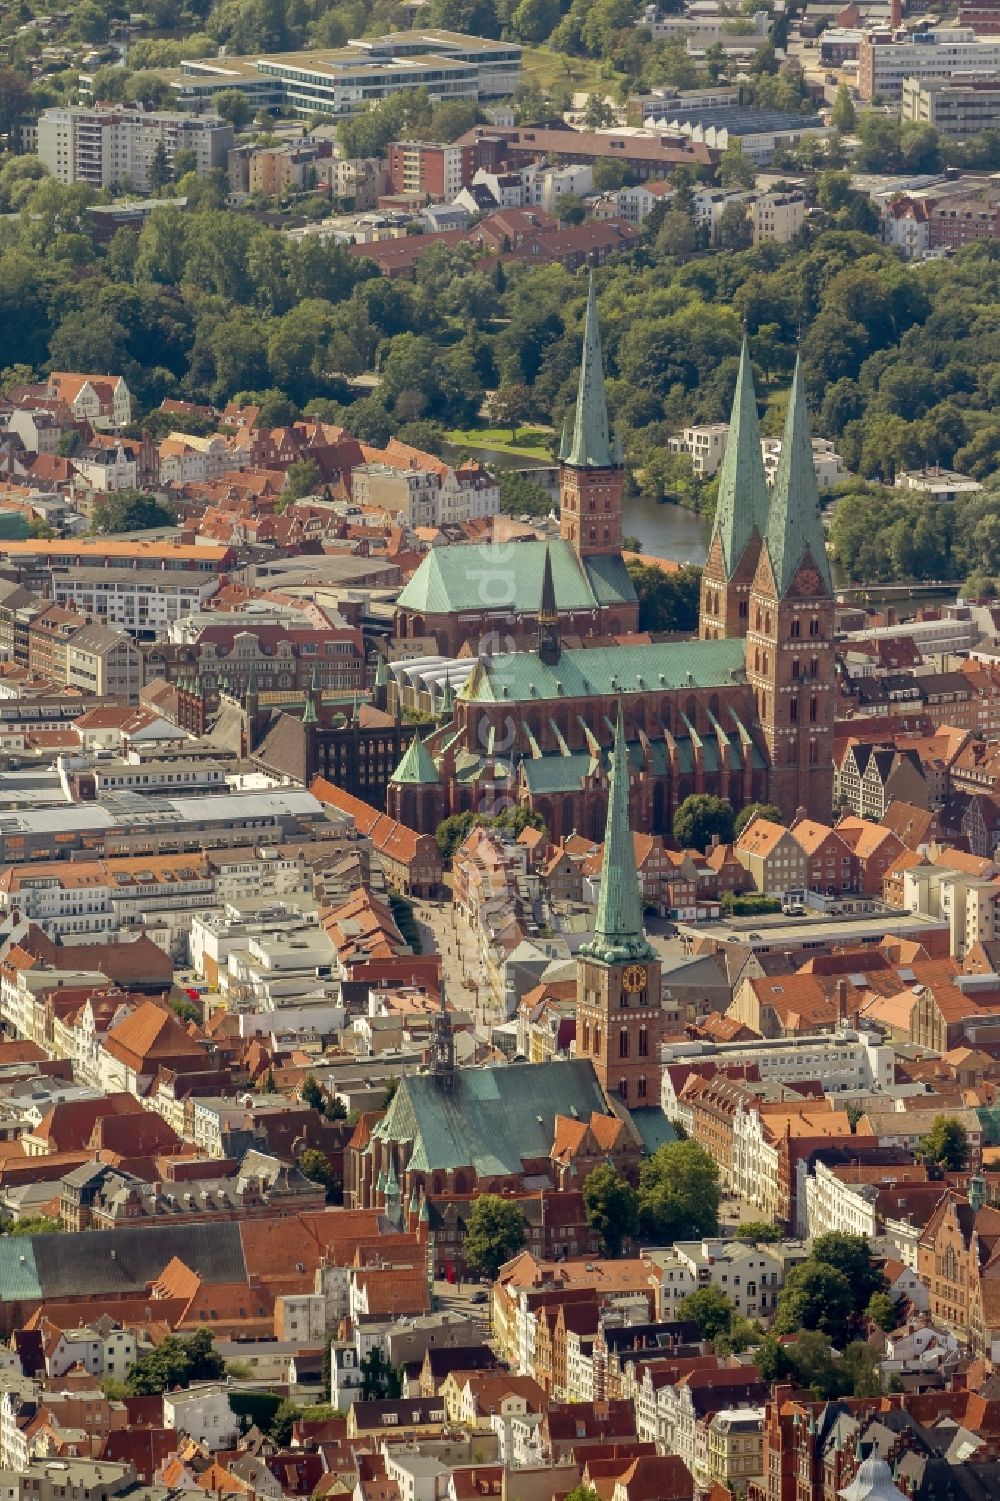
{"points": [[766, 578]]}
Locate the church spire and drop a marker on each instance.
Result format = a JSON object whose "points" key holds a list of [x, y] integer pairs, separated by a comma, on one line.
{"points": [[591, 447], [444, 1042], [743, 497], [417, 765], [618, 930], [795, 530], [549, 645]]}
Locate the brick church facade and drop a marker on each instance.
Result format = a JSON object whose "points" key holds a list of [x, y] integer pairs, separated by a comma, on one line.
{"points": [[745, 711]]}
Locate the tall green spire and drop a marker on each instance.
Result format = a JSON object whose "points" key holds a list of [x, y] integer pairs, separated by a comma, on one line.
{"points": [[743, 497], [618, 933], [417, 765], [794, 527], [591, 447]]}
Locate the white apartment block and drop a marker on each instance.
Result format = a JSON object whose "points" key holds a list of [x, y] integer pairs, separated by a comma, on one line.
{"points": [[104, 1350], [833, 1205], [750, 1276], [777, 216], [703, 27], [107, 468], [519, 188], [410, 495], [706, 445], [143, 600], [204, 1414], [186, 459], [887, 58], [755, 1171], [971, 904], [846, 1060], [829, 466], [559, 182], [433, 495], [108, 147]]}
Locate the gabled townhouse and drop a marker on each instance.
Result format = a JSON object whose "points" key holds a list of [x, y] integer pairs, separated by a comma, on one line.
{"points": [[874, 848], [830, 864], [772, 856]]}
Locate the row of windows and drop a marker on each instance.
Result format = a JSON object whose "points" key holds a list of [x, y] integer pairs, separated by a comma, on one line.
{"points": [[624, 1042]]}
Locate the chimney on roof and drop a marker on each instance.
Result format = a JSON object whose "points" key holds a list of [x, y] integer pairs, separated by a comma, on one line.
{"points": [[841, 991]]}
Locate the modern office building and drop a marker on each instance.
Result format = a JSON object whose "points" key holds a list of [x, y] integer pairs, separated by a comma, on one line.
{"points": [[887, 58], [345, 80], [957, 107]]}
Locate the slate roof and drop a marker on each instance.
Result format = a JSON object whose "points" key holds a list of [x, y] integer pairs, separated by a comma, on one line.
{"points": [[450, 579], [604, 671], [492, 1119], [57, 1266]]}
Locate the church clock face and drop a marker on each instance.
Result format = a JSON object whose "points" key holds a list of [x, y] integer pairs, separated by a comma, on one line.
{"points": [[634, 979]]}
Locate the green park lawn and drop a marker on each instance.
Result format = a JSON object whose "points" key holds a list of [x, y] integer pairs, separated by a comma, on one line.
{"points": [[531, 442], [577, 75]]}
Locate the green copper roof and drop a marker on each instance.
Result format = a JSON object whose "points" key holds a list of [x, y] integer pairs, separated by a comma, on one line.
{"points": [[309, 715], [795, 530], [508, 576], [550, 772], [381, 673], [492, 1119], [416, 765], [591, 447], [19, 1276], [604, 671], [618, 933], [743, 498]]}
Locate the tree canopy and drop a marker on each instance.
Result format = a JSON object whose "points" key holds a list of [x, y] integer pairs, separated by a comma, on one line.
{"points": [[700, 818], [770, 811], [495, 1231], [711, 1310], [946, 1144], [678, 1193], [176, 1361], [612, 1207], [129, 511], [832, 1289]]}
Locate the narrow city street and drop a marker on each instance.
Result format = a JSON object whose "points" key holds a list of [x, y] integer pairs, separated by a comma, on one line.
{"points": [[441, 932]]}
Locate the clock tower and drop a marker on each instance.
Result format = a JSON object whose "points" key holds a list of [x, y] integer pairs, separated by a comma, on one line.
{"points": [[619, 1018]]}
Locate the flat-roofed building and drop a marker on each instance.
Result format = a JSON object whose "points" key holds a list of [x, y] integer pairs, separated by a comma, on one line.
{"points": [[957, 107], [342, 81], [142, 600]]}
